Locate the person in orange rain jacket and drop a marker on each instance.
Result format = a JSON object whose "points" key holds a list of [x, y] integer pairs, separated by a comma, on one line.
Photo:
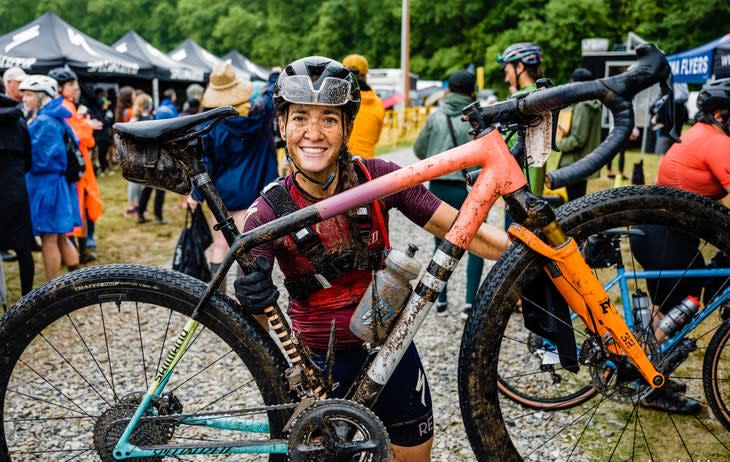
{"points": [[90, 204]]}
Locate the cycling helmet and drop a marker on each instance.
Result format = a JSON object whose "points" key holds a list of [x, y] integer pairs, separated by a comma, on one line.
{"points": [[62, 75], [40, 83], [526, 52], [713, 96], [320, 81]]}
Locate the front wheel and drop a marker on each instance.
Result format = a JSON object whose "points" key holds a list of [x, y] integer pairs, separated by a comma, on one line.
{"points": [[616, 423], [78, 353]]}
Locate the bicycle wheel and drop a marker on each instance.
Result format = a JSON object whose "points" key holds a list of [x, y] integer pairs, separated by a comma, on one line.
{"points": [[615, 424], [716, 374], [530, 373], [79, 352]]}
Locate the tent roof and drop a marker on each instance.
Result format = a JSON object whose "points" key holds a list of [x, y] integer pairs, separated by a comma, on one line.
{"points": [[189, 52], [49, 42], [239, 60], [132, 44], [695, 65]]}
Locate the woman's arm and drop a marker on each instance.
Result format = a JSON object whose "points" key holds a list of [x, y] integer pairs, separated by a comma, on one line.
{"points": [[489, 243]]}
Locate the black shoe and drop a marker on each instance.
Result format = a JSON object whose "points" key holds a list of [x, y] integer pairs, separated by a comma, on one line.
{"points": [[667, 401], [86, 258], [8, 256], [141, 220], [441, 306], [675, 386], [161, 221]]}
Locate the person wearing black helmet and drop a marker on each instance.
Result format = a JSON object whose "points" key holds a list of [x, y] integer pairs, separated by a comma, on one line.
{"points": [[88, 190], [317, 100], [699, 163]]}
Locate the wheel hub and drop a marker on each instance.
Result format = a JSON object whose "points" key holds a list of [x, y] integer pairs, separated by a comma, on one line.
{"points": [[111, 424]]}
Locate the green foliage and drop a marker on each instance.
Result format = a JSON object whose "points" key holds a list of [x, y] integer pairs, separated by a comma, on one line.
{"points": [[444, 36]]}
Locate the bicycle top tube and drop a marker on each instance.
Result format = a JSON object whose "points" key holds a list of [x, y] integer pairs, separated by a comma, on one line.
{"points": [[500, 176]]}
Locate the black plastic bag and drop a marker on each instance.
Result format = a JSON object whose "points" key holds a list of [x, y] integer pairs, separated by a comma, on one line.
{"points": [[189, 255], [75, 163], [637, 175], [547, 314]]}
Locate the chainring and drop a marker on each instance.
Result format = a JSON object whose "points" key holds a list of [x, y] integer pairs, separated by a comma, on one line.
{"points": [[112, 422], [335, 430]]}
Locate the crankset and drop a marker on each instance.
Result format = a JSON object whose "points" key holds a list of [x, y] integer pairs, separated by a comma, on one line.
{"points": [[335, 430]]}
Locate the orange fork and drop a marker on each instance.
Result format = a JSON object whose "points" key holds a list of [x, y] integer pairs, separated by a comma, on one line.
{"points": [[584, 293]]}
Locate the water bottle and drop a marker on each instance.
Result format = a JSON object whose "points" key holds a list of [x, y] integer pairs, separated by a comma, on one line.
{"points": [[642, 312], [389, 291], [679, 315]]}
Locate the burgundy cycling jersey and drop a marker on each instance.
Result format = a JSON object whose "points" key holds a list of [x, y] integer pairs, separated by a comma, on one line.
{"points": [[311, 318]]}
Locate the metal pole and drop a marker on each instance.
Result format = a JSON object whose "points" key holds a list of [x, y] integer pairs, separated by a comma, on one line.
{"points": [[404, 55]]}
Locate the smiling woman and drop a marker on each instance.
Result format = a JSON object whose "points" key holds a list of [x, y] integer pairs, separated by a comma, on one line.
{"points": [[328, 267]]}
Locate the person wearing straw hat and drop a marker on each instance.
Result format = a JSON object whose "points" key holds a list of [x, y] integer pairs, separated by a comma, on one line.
{"points": [[240, 154]]}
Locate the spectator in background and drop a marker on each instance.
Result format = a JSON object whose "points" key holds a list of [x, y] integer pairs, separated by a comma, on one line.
{"points": [[521, 64], [125, 101], [369, 121], [90, 204], [444, 130], [239, 152], [11, 79], [192, 106], [15, 161], [681, 117], [53, 202], [582, 136], [101, 111], [167, 108], [193, 93], [143, 111]]}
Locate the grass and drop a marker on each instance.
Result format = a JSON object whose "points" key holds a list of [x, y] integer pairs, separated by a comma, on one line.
{"points": [[119, 239]]}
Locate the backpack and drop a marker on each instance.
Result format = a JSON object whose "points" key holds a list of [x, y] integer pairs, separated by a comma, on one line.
{"points": [[75, 164]]}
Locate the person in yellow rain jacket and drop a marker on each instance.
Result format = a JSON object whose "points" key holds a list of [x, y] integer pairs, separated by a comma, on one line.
{"points": [[369, 120]]}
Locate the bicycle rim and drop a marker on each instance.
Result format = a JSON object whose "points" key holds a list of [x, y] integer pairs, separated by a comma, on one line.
{"points": [[716, 374], [82, 349], [613, 424]]}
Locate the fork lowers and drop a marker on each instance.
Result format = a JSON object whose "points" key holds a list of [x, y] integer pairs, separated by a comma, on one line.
{"points": [[533, 212]]}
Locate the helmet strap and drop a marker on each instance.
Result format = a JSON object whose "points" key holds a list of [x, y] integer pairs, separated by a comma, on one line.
{"points": [[517, 75]]}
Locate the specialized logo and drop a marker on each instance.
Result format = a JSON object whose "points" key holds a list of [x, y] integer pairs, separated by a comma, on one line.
{"points": [[77, 39], [23, 36], [421, 386]]}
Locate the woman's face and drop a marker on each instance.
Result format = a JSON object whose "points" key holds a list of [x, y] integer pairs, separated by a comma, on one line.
{"points": [[30, 101], [314, 136]]}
